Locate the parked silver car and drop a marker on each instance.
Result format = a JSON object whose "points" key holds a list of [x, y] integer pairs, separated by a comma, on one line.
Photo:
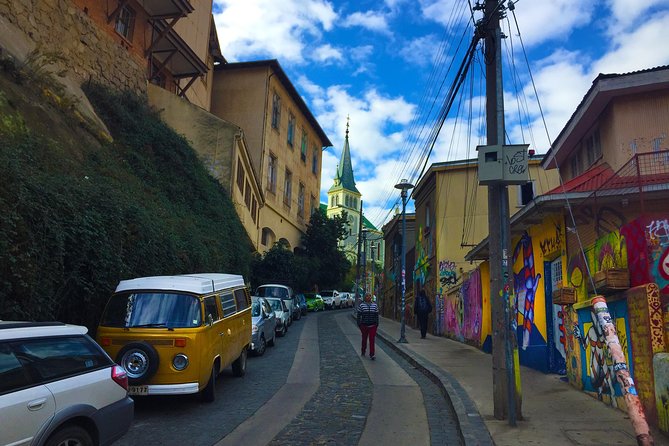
{"points": [[284, 292], [282, 314], [59, 387], [263, 325]]}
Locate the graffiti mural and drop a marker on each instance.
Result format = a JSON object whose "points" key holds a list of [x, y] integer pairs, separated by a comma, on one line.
{"points": [[609, 251], [422, 267], [598, 376], [526, 281], [648, 251], [658, 249], [447, 275], [472, 318]]}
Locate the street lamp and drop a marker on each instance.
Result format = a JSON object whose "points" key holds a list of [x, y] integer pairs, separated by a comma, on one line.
{"points": [[404, 186]]}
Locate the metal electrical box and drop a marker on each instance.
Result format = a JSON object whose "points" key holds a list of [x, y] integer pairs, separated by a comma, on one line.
{"points": [[503, 164]]}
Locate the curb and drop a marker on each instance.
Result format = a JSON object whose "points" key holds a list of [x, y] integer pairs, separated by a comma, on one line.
{"points": [[471, 426]]}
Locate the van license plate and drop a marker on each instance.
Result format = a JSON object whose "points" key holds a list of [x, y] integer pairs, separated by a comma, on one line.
{"points": [[138, 390]]}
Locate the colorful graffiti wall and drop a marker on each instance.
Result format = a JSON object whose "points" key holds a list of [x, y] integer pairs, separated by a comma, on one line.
{"points": [[463, 310], [647, 242], [531, 250], [609, 251], [591, 365]]}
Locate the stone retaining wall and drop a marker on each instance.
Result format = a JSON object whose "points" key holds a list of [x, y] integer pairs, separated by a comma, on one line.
{"points": [[58, 25]]}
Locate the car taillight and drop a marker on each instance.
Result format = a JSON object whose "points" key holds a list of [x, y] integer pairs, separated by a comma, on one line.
{"points": [[119, 376]]}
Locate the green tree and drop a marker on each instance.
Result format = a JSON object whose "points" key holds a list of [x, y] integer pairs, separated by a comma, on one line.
{"points": [[321, 243]]}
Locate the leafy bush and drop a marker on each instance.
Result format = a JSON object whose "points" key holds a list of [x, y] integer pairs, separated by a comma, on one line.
{"points": [[80, 215]]}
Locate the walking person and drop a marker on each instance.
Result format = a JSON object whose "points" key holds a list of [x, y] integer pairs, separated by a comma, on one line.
{"points": [[422, 307], [368, 322]]}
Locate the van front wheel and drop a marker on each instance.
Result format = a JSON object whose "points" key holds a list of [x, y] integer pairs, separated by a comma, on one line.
{"points": [[239, 366]]}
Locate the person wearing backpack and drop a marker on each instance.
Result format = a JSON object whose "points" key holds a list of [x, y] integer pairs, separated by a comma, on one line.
{"points": [[422, 307]]}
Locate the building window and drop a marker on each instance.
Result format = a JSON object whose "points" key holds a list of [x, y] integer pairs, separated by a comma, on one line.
{"points": [[576, 165], [291, 129], [427, 217], [556, 273], [247, 196], [300, 201], [254, 210], [303, 146], [314, 162], [271, 174], [593, 147], [525, 193], [125, 22], [276, 111], [312, 208], [240, 176], [288, 188]]}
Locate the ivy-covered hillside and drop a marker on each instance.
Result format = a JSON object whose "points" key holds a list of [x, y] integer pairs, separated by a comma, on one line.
{"points": [[79, 212]]}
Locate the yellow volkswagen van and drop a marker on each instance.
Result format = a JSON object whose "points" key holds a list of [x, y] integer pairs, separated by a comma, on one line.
{"points": [[175, 334]]}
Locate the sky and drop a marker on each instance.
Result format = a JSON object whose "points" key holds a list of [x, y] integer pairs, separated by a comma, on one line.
{"points": [[386, 67]]}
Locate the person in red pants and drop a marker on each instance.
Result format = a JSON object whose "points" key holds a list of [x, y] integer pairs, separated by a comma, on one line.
{"points": [[368, 322]]}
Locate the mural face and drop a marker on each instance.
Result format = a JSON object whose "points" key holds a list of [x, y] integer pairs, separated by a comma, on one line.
{"points": [[526, 281]]}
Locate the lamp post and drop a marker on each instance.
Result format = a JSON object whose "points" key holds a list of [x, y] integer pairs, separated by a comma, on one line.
{"points": [[404, 186]]}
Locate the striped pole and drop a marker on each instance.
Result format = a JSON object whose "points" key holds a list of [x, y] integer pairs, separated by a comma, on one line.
{"points": [[634, 408]]}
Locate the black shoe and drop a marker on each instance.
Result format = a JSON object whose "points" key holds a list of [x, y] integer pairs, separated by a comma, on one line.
{"points": [[362, 354], [422, 337], [372, 357]]}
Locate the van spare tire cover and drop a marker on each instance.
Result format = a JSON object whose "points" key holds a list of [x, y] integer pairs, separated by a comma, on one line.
{"points": [[140, 361]]}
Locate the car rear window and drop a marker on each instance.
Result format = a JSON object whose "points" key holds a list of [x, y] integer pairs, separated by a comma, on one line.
{"points": [[12, 374], [153, 310], [272, 291], [47, 359]]}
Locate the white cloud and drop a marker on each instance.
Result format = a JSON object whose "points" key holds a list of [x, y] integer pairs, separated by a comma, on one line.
{"points": [[371, 20], [540, 22], [420, 51], [327, 53], [643, 47], [626, 12], [259, 28]]}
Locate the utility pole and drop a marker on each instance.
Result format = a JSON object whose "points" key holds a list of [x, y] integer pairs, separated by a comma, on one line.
{"points": [[357, 266], [505, 363]]}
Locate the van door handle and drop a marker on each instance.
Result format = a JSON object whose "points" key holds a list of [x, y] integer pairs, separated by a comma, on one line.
{"points": [[36, 404]]}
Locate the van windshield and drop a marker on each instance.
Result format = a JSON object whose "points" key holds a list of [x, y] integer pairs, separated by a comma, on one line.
{"points": [[153, 310], [272, 291]]}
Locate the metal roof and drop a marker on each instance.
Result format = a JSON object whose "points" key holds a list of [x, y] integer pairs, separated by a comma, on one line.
{"points": [[189, 283]]}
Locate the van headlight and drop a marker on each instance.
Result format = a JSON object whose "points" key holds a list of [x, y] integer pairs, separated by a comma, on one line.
{"points": [[180, 361], [254, 328]]}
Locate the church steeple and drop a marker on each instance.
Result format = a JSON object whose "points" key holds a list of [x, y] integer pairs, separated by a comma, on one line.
{"points": [[344, 175]]}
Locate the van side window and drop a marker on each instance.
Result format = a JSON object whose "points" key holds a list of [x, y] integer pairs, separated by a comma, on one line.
{"points": [[242, 301], [228, 304], [210, 308]]}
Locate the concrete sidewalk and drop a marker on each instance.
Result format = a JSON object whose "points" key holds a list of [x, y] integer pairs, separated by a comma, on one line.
{"points": [[554, 412]]}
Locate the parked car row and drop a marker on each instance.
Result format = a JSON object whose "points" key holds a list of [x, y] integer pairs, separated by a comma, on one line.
{"points": [[336, 299], [162, 335]]}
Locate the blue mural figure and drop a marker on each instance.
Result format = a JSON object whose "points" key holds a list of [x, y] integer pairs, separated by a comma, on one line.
{"points": [[526, 282]]}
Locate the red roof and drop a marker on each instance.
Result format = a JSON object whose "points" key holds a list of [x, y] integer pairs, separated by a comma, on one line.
{"points": [[588, 181]]}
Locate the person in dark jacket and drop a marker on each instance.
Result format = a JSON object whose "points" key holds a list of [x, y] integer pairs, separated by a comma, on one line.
{"points": [[368, 322], [421, 308]]}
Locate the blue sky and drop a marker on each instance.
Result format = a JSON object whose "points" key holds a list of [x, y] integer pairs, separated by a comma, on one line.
{"points": [[382, 63]]}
